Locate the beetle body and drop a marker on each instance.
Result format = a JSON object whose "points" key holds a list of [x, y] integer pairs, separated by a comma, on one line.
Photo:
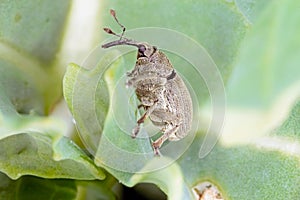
{"points": [[160, 90], [162, 93]]}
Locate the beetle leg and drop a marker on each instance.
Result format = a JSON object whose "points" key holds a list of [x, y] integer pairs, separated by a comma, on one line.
{"points": [[148, 112], [157, 143], [141, 106]]}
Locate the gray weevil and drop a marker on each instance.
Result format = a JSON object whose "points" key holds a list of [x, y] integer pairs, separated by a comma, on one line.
{"points": [[160, 90]]}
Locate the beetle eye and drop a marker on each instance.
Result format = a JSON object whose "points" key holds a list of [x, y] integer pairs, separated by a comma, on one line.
{"points": [[142, 48]]}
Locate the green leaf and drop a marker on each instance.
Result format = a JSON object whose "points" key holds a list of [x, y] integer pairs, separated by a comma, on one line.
{"points": [[33, 50], [265, 83], [31, 154], [111, 146], [170, 179], [87, 97], [270, 52], [253, 171], [35, 188], [31, 145], [290, 128], [30, 37], [261, 169], [251, 9], [34, 27]]}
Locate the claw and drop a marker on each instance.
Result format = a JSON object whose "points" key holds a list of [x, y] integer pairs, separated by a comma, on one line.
{"points": [[135, 131], [157, 152], [155, 147]]}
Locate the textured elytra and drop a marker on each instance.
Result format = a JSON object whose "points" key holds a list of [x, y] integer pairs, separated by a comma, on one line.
{"points": [[161, 91]]}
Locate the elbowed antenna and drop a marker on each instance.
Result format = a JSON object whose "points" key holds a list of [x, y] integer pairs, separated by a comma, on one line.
{"points": [[122, 40]]}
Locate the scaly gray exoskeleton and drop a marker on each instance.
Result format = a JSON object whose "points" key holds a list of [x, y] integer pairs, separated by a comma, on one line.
{"points": [[162, 93]]}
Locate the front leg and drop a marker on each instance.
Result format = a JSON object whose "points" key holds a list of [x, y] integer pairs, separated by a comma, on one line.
{"points": [[142, 119]]}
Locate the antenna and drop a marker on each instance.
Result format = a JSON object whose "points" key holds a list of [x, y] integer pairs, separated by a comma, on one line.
{"points": [[122, 39]]}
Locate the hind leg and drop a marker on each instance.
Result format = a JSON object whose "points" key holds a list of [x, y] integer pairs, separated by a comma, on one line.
{"points": [[158, 143]]}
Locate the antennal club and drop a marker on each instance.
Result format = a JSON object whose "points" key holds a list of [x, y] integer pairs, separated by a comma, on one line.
{"points": [[113, 13], [109, 31]]}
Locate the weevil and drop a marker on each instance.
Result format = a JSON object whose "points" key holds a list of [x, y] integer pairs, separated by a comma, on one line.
{"points": [[161, 91]]}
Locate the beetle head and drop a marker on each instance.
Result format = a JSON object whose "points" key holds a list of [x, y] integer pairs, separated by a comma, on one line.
{"points": [[145, 50]]}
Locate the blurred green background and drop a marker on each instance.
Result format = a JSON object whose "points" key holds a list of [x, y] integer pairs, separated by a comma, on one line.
{"points": [[255, 45]]}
